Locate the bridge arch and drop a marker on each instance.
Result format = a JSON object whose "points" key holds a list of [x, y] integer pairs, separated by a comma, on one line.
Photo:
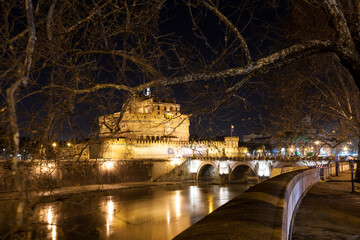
{"points": [[207, 171], [243, 173]]}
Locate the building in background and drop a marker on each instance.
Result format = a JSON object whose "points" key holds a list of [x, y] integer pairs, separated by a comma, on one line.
{"points": [[147, 118]]}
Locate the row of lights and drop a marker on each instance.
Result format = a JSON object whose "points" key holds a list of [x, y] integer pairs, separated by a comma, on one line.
{"points": [[55, 144]]}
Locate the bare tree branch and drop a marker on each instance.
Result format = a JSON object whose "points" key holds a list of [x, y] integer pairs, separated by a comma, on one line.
{"points": [[231, 26]]}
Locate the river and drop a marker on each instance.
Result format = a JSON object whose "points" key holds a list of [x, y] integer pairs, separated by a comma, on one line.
{"points": [[153, 212]]}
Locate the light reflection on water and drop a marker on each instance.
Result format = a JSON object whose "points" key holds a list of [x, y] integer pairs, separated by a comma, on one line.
{"points": [[144, 213], [47, 214], [211, 201], [110, 215]]}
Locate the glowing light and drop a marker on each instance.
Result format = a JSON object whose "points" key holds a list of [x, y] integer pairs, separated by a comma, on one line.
{"points": [[51, 223], [68, 144], [264, 169], [109, 165], [54, 144], [177, 203], [47, 168], [53, 232], [194, 166], [49, 217], [211, 203], [175, 161], [168, 217], [345, 148], [194, 198], [110, 208], [110, 215], [223, 195], [317, 142], [223, 168]]}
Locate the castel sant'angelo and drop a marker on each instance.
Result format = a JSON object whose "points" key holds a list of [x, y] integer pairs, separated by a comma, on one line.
{"points": [[153, 129]]}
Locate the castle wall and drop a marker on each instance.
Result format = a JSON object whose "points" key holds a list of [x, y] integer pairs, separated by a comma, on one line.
{"points": [[151, 149]]}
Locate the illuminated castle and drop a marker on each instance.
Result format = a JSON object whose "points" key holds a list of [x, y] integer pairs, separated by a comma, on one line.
{"points": [[147, 119], [154, 129]]}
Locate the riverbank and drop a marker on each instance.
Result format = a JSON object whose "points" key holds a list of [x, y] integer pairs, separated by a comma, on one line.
{"points": [[74, 190]]}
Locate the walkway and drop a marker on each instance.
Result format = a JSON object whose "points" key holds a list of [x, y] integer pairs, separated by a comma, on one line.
{"points": [[329, 211]]}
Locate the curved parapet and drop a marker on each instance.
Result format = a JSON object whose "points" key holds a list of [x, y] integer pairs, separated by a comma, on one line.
{"points": [[264, 211]]}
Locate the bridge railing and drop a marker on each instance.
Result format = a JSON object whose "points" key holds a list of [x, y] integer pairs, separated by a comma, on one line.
{"points": [[276, 158]]}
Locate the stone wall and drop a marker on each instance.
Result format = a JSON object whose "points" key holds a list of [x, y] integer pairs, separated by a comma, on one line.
{"points": [[52, 174], [160, 149]]}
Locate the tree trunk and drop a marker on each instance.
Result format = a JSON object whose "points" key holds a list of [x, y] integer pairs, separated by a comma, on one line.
{"points": [[337, 162], [357, 172]]}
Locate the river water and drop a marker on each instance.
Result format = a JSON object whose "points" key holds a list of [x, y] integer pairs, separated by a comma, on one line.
{"points": [[154, 212]]}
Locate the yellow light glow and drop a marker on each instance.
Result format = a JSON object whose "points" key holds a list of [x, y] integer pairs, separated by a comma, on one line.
{"points": [[53, 232], [110, 215], [49, 217], [51, 224], [175, 161], [109, 165], [68, 144], [110, 210], [211, 203], [177, 203], [345, 148], [54, 144], [317, 142], [168, 217]]}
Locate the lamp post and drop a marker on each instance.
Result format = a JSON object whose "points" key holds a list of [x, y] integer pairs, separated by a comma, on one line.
{"points": [[54, 144]]}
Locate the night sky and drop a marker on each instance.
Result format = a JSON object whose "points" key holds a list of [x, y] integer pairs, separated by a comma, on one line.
{"points": [[176, 22]]}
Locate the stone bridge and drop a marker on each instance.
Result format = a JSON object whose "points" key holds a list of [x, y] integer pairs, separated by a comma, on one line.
{"points": [[234, 170]]}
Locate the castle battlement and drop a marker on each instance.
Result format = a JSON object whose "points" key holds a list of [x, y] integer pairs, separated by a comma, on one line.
{"points": [[163, 149]]}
